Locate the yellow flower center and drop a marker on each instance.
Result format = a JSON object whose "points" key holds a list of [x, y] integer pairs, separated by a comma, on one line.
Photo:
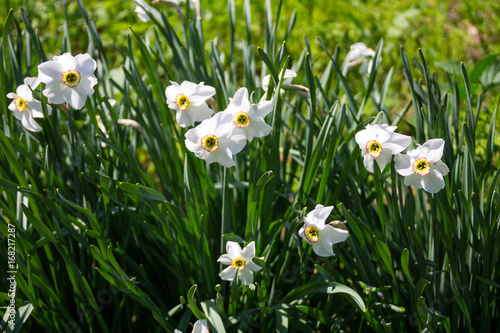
{"points": [[238, 263], [312, 234], [373, 148], [421, 166], [71, 78], [182, 102], [210, 143], [20, 103], [241, 119]]}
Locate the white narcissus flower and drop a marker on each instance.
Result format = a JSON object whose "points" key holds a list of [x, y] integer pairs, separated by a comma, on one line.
{"points": [[422, 167], [379, 143], [320, 235], [142, 9], [360, 54], [216, 140], [25, 107], [288, 75], [240, 262], [188, 100], [249, 117], [201, 326], [68, 79]]}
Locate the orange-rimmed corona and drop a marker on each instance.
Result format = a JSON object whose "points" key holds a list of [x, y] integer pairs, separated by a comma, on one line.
{"points": [[71, 78]]}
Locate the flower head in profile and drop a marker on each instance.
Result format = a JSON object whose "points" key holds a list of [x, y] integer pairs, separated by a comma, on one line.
{"points": [[288, 75], [240, 263], [201, 326], [144, 11], [216, 140], [68, 79], [422, 167], [379, 143], [189, 101], [320, 235], [360, 54], [249, 117], [25, 107]]}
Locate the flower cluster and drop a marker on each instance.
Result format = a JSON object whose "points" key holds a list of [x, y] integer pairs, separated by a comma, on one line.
{"points": [[421, 167], [67, 79], [218, 137]]}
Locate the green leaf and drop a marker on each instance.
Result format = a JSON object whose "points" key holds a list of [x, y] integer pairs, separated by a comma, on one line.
{"points": [[142, 191], [192, 303], [212, 314], [311, 288]]}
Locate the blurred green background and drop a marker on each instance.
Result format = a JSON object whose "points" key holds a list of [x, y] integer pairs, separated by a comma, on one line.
{"points": [[459, 31]]}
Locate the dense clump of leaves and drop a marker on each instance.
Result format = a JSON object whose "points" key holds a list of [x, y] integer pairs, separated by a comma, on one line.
{"points": [[122, 232]]}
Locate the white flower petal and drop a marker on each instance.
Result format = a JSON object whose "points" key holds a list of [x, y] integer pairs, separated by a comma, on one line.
{"points": [[32, 82], [433, 182], [249, 264], [261, 110], [36, 108], [257, 129], [225, 259], [246, 276], [56, 92], [171, 92], [29, 123], [397, 143], [199, 112], [228, 274], [240, 100], [184, 119], [323, 249], [200, 92], [433, 149], [318, 215], [384, 158], [85, 86], [233, 249], [50, 71], [67, 61], [201, 326], [249, 251], [414, 179], [85, 64], [440, 167], [333, 235], [25, 92], [77, 100], [363, 136], [368, 163], [403, 165], [12, 105]]}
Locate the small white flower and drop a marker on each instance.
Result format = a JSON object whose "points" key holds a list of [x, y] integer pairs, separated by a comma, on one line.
{"points": [[360, 54], [249, 117], [25, 107], [142, 9], [379, 143], [320, 235], [201, 326], [68, 79], [288, 75], [188, 100], [216, 140], [422, 167], [239, 261]]}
